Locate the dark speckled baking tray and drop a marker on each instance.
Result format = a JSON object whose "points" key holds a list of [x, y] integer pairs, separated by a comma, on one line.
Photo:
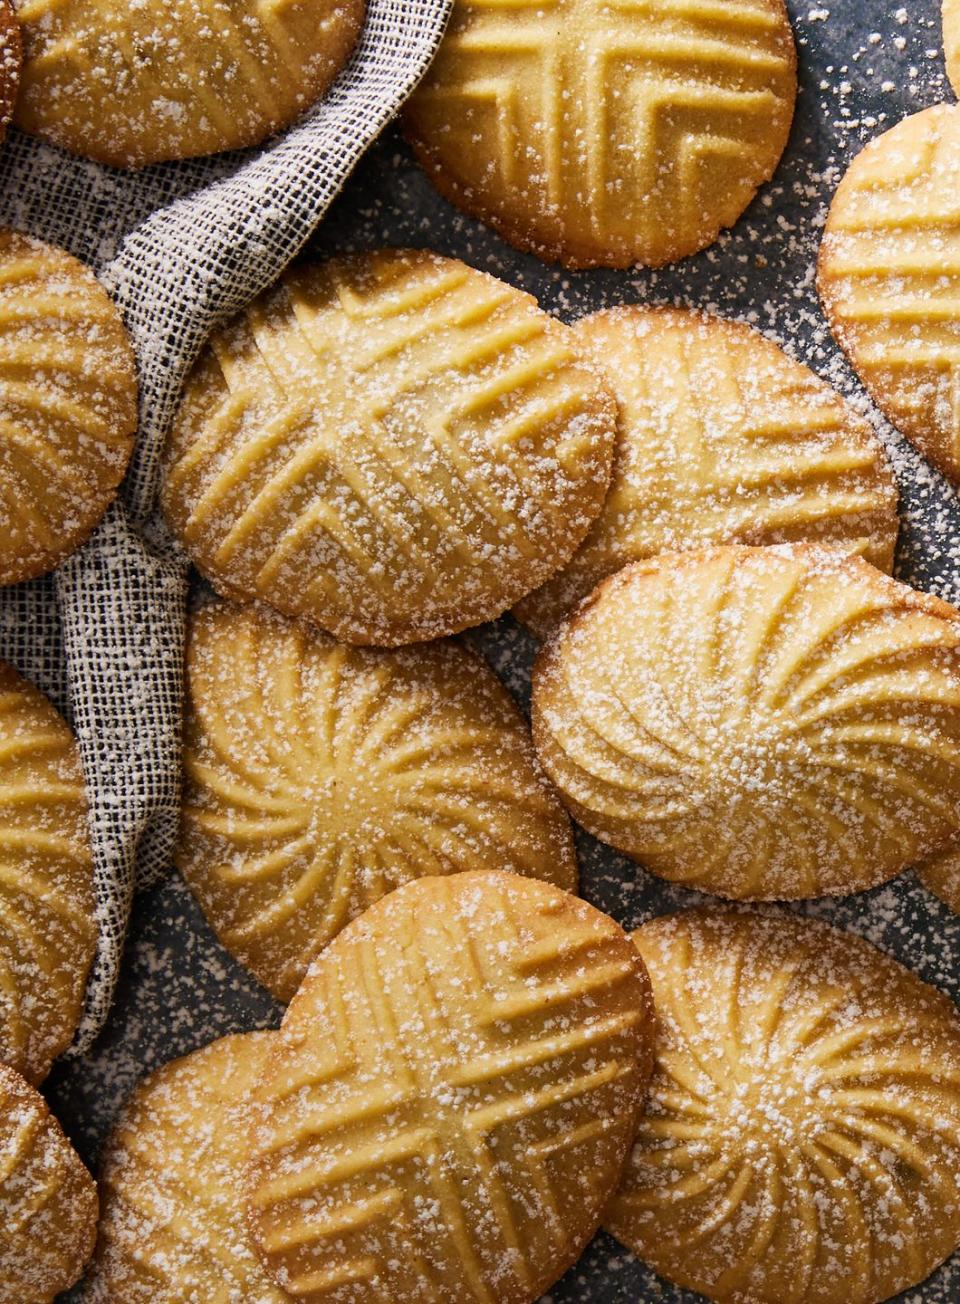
{"points": [[863, 66]]}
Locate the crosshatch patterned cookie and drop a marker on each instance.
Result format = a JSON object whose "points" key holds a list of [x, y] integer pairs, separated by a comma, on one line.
{"points": [[48, 1200], [722, 439], [11, 59], [319, 777], [889, 278], [451, 1097], [392, 444], [607, 132], [131, 84], [801, 1143], [68, 405], [759, 723]]}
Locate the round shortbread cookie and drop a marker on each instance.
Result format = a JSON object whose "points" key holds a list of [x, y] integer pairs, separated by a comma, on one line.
{"points": [[11, 61], [392, 444], [319, 777], [130, 84], [889, 278], [760, 723], [172, 1227], [951, 41], [48, 1200], [722, 438], [607, 134], [68, 405], [801, 1143], [451, 1098], [941, 874]]}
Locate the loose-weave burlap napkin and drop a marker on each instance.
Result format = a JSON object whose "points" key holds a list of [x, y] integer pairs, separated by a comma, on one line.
{"points": [[180, 247]]}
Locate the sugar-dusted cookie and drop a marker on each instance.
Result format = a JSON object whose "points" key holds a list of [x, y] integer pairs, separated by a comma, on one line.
{"points": [[450, 1099], [319, 777], [951, 41], [722, 438], [607, 132], [392, 444], [941, 874], [172, 1227], [47, 926], [889, 278], [131, 84], [48, 1200], [757, 722], [11, 60], [68, 405], [801, 1143]]}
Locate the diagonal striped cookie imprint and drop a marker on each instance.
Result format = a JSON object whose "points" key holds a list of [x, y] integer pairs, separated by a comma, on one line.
{"points": [[889, 278], [392, 444], [451, 1097]]}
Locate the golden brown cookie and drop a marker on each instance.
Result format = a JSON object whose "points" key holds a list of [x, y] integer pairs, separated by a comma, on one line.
{"points": [[801, 1143], [449, 1102], [951, 41], [889, 278], [68, 405], [759, 723], [941, 874], [131, 84], [722, 439], [172, 1228], [607, 134], [392, 444], [319, 777], [11, 60], [48, 1200]]}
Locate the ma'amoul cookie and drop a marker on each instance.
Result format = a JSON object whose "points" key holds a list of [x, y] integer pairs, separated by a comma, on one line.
{"points": [[11, 59], [450, 1100], [319, 777], [759, 723], [131, 84], [941, 874], [951, 41], [392, 444], [889, 278], [801, 1143], [722, 438], [607, 134], [48, 1200]]}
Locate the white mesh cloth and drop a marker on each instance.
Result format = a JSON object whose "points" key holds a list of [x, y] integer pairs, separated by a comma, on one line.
{"points": [[181, 247]]}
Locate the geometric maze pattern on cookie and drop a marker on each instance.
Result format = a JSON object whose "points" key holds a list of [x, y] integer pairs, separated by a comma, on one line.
{"points": [[596, 133], [319, 777], [801, 1142], [451, 1097]]}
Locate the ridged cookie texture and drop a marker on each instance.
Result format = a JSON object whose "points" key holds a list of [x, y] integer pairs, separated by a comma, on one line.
{"points": [[130, 84], [48, 1200], [889, 278], [172, 1228], [759, 723], [801, 1143], [394, 445], [11, 61], [721, 438], [47, 924], [451, 1097], [607, 132], [68, 405], [319, 777], [941, 874]]}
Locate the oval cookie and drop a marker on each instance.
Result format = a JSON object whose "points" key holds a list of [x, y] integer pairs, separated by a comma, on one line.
{"points": [[319, 777], [451, 1097], [393, 444], [801, 1143], [721, 439], [759, 723], [11, 60]]}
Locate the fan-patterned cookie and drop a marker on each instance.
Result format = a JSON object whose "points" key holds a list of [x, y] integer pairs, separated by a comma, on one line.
{"points": [[172, 1227], [757, 722], [801, 1143], [392, 444], [11, 59], [48, 1200], [889, 278], [319, 777], [131, 84], [68, 405], [607, 132], [47, 926], [451, 1097], [722, 439]]}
